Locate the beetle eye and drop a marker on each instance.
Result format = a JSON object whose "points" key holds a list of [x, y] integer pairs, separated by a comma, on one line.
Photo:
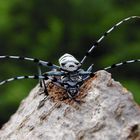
{"points": [[76, 63], [63, 64]]}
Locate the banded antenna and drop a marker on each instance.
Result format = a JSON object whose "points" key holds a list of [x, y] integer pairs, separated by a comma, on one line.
{"points": [[105, 34], [45, 76], [23, 77], [121, 63], [37, 61]]}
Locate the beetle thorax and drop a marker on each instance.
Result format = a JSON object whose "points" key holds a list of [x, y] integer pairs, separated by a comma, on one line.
{"points": [[69, 63]]}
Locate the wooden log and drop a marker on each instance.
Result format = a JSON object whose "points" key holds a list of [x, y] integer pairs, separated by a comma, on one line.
{"points": [[103, 110]]}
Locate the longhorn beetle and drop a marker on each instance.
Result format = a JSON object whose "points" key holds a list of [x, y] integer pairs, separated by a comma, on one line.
{"points": [[69, 74]]}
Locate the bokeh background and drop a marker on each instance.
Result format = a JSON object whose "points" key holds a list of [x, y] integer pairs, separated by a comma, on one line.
{"points": [[47, 29]]}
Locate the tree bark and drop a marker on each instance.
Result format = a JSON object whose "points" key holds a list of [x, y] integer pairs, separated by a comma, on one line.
{"points": [[103, 110]]}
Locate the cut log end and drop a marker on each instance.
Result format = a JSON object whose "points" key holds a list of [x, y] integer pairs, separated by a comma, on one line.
{"points": [[105, 111]]}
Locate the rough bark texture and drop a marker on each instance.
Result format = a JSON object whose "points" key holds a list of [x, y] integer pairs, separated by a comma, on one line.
{"points": [[104, 110]]}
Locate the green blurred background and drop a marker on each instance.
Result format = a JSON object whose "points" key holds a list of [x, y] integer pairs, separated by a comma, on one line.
{"points": [[48, 29]]}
